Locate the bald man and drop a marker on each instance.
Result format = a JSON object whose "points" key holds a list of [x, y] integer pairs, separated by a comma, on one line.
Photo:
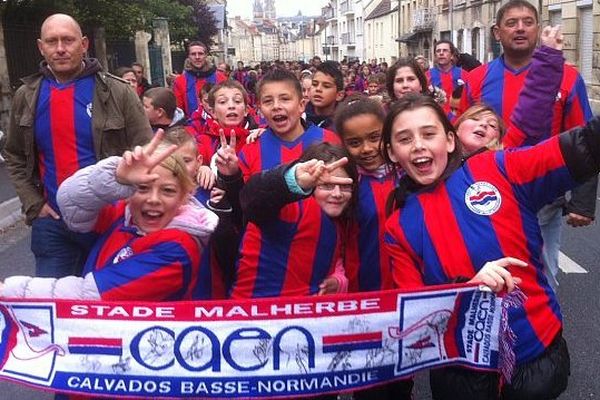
{"points": [[65, 117]]}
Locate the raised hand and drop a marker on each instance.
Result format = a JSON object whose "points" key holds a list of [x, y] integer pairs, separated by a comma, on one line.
{"points": [[314, 172], [135, 166], [330, 285], [495, 275], [226, 159], [254, 135], [205, 178], [552, 37], [216, 195]]}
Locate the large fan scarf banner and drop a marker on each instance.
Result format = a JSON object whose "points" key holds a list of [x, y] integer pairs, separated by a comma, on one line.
{"points": [[264, 348]]}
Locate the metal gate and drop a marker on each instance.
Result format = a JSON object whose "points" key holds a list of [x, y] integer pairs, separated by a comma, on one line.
{"points": [[157, 72], [120, 53]]}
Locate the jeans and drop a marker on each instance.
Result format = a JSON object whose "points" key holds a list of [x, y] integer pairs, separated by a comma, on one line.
{"points": [[550, 220], [58, 251]]}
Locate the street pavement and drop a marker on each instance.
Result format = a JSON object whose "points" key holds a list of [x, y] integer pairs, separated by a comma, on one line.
{"points": [[578, 294], [7, 191]]}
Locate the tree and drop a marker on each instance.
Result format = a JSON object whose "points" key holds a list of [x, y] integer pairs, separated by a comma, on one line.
{"points": [[203, 20], [188, 19]]}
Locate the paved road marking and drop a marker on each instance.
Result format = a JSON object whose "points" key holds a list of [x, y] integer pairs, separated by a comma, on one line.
{"points": [[569, 266]]}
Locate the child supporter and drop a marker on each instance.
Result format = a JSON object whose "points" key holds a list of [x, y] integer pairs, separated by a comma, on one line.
{"points": [[161, 109], [405, 77], [286, 137], [149, 246], [218, 259], [202, 114], [361, 79], [479, 127], [477, 221], [306, 82], [228, 101], [326, 91], [359, 121], [295, 213]]}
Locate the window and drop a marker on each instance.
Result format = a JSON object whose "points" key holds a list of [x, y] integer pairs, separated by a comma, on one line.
{"points": [[475, 40], [555, 17]]}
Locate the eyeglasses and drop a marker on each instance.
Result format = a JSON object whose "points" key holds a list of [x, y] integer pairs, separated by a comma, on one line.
{"points": [[329, 187]]}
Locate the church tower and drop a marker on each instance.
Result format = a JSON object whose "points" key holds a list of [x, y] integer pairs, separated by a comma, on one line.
{"points": [[258, 10], [270, 9]]}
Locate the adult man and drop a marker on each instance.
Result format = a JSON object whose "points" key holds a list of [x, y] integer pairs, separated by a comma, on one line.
{"points": [[161, 109], [240, 73], [499, 83], [444, 74], [142, 82], [67, 116], [196, 74]]}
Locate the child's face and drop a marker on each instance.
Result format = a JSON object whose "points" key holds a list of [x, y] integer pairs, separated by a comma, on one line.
{"points": [[306, 85], [373, 88], [153, 114], [282, 107], [333, 199], [205, 104], [362, 135], [323, 93], [230, 107], [154, 205], [475, 134], [420, 144], [406, 81], [189, 153]]}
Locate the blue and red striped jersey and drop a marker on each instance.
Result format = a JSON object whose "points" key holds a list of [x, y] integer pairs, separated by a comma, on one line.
{"points": [[158, 266], [270, 150], [63, 131], [447, 81], [289, 256], [499, 86], [484, 211], [211, 281], [366, 260], [187, 87]]}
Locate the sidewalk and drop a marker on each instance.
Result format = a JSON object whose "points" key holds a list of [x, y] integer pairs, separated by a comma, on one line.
{"points": [[10, 206], [10, 212]]}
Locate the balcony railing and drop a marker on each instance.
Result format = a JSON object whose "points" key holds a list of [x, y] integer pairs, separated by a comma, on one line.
{"points": [[423, 19], [331, 41], [346, 7], [329, 13], [348, 38]]}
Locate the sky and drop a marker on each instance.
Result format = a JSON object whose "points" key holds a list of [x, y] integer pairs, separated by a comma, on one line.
{"points": [[283, 8]]}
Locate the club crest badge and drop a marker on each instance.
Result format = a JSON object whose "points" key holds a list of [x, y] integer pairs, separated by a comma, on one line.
{"points": [[123, 254], [483, 198]]}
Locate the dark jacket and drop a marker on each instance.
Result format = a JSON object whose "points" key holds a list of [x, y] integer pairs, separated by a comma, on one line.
{"points": [[265, 194], [118, 123], [322, 121]]}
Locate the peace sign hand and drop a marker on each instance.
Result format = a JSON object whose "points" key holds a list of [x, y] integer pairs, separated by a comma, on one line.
{"points": [[226, 157], [314, 172], [135, 166]]}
